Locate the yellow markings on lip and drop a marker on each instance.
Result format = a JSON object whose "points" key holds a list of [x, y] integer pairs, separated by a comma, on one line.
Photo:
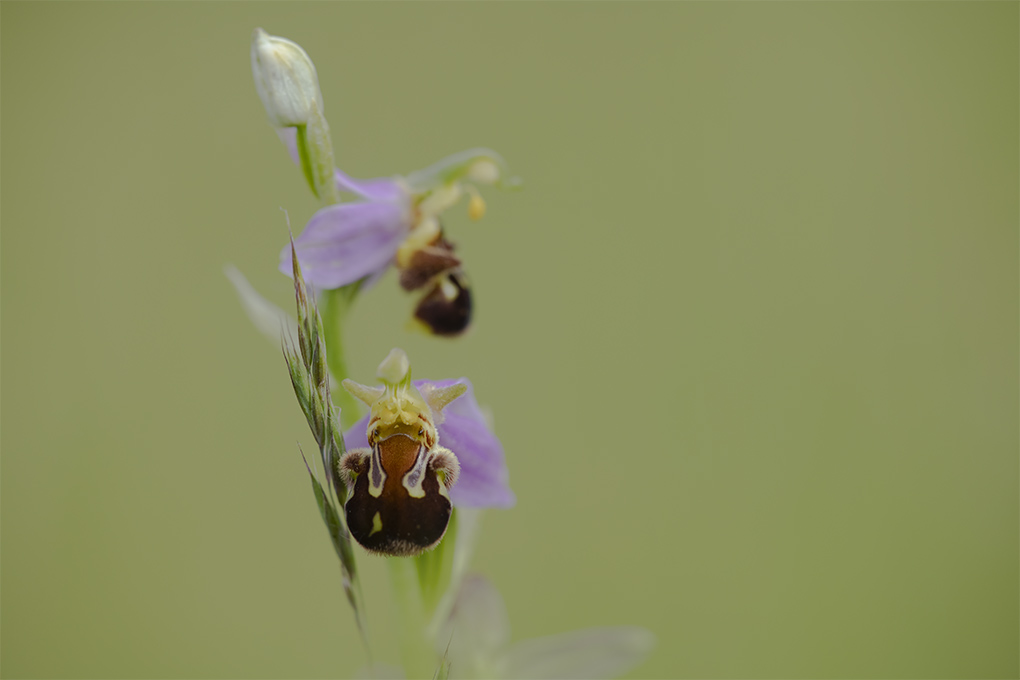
{"points": [[376, 524]]}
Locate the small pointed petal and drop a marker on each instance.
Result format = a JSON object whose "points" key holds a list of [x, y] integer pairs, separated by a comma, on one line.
{"points": [[477, 165], [438, 397], [367, 394], [592, 653], [484, 479], [477, 630], [347, 242], [269, 319], [380, 189]]}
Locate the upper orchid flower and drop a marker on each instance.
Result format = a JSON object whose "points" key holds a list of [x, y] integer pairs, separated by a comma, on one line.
{"points": [[397, 221], [394, 220]]}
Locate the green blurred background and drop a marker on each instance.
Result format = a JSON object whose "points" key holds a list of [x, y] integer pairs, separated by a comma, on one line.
{"points": [[750, 333]]}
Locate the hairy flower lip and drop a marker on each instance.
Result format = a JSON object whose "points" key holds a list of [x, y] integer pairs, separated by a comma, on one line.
{"points": [[484, 479]]}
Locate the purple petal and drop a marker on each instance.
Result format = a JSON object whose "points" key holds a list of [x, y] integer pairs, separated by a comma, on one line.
{"points": [[478, 628], [372, 189], [483, 481], [357, 436], [346, 242]]}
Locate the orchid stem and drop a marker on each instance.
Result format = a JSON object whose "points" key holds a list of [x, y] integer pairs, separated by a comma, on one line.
{"points": [[415, 652], [335, 304]]}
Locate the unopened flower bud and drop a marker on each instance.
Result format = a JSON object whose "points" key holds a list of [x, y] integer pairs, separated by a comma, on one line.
{"points": [[285, 80]]}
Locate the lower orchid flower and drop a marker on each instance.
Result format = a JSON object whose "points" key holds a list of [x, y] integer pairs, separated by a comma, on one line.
{"points": [[464, 430], [403, 483]]}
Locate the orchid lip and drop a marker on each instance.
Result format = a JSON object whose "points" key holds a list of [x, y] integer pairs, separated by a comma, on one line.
{"points": [[484, 479]]}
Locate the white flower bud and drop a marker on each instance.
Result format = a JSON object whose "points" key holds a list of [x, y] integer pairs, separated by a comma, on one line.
{"points": [[285, 80]]}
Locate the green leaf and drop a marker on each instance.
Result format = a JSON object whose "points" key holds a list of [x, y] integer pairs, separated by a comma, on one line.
{"points": [[341, 540], [299, 379], [337, 531]]}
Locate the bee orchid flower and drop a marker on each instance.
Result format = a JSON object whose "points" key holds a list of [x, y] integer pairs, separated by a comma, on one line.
{"points": [[396, 221], [460, 427]]}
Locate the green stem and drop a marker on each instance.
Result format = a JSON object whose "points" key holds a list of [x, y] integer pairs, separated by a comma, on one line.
{"points": [[416, 655], [334, 306], [434, 567]]}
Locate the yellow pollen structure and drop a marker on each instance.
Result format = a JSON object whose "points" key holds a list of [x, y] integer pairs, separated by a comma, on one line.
{"points": [[476, 204]]}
